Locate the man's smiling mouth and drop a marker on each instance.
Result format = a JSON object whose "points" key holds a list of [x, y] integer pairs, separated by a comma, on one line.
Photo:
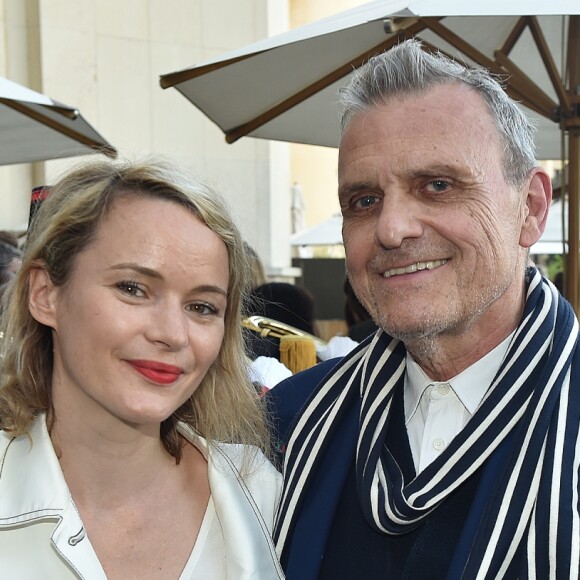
{"points": [[416, 267]]}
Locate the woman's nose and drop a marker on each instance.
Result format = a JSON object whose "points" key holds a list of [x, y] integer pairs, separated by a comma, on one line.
{"points": [[169, 326]]}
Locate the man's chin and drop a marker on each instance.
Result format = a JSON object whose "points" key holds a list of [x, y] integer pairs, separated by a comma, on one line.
{"points": [[411, 329]]}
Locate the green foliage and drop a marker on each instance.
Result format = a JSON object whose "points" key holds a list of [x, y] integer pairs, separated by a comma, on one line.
{"points": [[555, 265]]}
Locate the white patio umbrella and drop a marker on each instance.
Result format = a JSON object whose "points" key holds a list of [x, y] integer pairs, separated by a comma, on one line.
{"points": [[326, 233], [33, 127], [285, 87]]}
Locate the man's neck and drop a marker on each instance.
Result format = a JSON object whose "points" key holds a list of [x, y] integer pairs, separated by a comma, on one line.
{"points": [[444, 357]]}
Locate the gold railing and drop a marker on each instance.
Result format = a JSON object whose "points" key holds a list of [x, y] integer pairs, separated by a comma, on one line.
{"points": [[270, 327]]}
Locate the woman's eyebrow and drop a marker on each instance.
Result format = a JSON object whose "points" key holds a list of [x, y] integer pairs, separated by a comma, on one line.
{"points": [[137, 268], [155, 274]]}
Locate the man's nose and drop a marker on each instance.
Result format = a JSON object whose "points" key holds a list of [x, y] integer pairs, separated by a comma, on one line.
{"points": [[398, 220]]}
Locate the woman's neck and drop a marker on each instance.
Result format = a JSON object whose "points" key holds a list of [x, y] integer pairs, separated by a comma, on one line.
{"points": [[106, 459]]}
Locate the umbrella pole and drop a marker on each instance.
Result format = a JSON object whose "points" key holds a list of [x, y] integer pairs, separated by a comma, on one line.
{"points": [[572, 124], [572, 279]]}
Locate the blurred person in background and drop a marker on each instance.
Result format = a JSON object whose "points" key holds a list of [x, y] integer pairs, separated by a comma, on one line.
{"points": [[10, 260], [257, 275], [358, 320]]}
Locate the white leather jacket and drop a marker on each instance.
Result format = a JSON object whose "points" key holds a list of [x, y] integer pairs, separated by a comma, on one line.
{"points": [[42, 535]]}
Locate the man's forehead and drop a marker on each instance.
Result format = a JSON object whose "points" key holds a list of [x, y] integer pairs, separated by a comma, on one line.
{"points": [[456, 98], [416, 139]]}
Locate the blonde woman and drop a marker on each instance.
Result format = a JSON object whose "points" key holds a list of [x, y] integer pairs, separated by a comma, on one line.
{"points": [[132, 439]]}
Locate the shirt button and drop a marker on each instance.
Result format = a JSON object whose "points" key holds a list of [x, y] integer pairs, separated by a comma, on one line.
{"points": [[443, 389], [438, 444]]}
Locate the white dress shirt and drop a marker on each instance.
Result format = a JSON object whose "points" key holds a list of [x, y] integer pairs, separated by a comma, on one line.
{"points": [[435, 412]]}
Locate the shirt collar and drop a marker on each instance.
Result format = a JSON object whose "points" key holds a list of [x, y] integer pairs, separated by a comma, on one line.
{"points": [[470, 385], [31, 480]]}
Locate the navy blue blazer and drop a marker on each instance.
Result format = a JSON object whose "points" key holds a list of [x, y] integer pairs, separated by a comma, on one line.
{"points": [[307, 541], [290, 395], [304, 556]]}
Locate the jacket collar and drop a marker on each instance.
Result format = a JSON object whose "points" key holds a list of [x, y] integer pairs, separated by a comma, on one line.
{"points": [[32, 485], [250, 552]]}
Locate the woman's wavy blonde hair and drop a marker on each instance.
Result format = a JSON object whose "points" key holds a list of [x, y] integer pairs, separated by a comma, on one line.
{"points": [[225, 407]]}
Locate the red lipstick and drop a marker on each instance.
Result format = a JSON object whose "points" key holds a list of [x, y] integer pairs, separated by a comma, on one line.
{"points": [[157, 372]]}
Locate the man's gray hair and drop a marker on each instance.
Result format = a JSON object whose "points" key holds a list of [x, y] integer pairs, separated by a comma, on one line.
{"points": [[407, 69]]}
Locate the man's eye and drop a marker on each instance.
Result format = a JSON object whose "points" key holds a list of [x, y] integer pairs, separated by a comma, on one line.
{"points": [[365, 201], [438, 186]]}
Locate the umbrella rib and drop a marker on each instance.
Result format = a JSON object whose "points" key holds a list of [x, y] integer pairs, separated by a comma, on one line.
{"points": [[549, 63], [63, 110], [514, 35], [511, 90], [236, 133], [502, 56], [175, 78], [56, 126], [532, 94], [435, 26], [520, 85]]}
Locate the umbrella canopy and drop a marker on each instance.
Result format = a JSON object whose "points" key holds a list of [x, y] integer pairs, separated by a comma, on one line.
{"points": [[285, 87], [33, 127], [326, 233]]}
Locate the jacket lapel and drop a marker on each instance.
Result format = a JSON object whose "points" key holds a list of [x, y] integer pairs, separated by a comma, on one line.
{"points": [[250, 552]]}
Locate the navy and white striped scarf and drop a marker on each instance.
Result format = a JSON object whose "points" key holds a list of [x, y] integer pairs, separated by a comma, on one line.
{"points": [[531, 517]]}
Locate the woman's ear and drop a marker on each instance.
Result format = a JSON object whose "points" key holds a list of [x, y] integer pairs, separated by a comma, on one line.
{"points": [[537, 206], [42, 297]]}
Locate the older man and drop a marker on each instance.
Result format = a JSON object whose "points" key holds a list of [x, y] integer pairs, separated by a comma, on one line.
{"points": [[446, 445]]}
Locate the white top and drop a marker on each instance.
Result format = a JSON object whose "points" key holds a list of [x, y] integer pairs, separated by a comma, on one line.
{"points": [[42, 534], [207, 559], [435, 412]]}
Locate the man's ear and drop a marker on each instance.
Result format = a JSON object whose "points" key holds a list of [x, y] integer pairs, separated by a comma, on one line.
{"points": [[42, 297], [537, 206]]}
